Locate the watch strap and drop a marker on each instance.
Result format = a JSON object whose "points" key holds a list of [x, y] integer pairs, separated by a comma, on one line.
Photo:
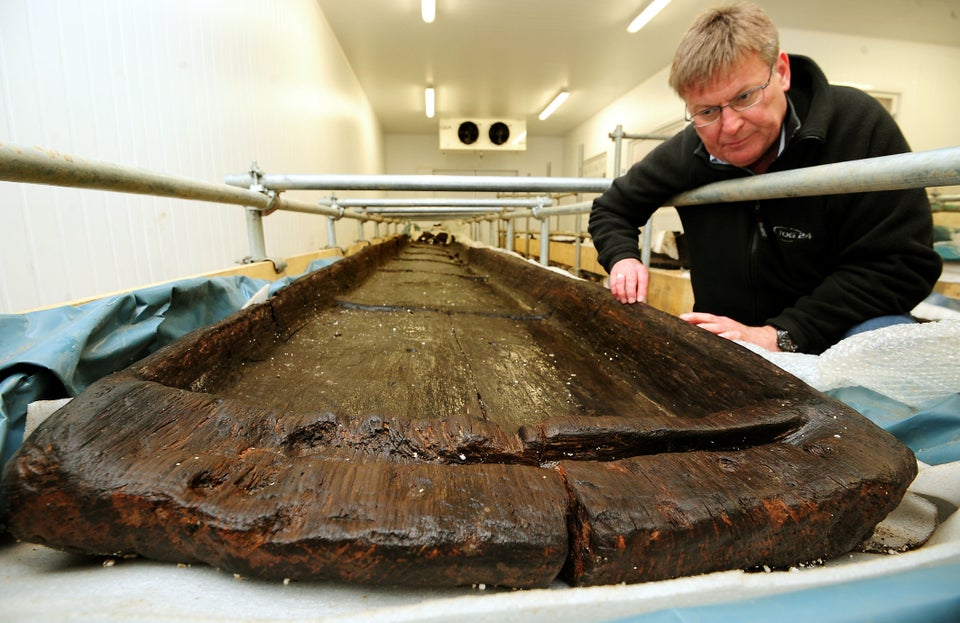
{"points": [[785, 341]]}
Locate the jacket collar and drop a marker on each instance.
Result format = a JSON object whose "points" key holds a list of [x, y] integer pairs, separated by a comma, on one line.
{"points": [[810, 102]]}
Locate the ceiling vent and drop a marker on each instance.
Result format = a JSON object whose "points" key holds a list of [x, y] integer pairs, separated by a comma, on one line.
{"points": [[483, 134]]}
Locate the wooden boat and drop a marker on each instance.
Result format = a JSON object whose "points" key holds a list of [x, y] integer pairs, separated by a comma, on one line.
{"points": [[427, 414]]}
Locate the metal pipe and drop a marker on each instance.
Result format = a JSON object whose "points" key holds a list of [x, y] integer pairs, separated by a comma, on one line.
{"points": [[570, 208], [292, 205], [576, 219], [434, 215], [943, 198], [436, 210], [425, 183], [331, 231], [390, 202], [640, 137], [577, 245], [33, 165], [617, 136], [258, 247], [544, 242], [647, 246], [909, 170], [939, 167]]}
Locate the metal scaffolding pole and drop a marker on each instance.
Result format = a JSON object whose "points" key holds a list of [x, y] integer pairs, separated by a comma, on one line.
{"points": [[939, 167], [544, 242], [374, 204], [261, 192], [456, 183], [421, 213], [618, 135], [934, 168], [570, 208], [33, 165]]}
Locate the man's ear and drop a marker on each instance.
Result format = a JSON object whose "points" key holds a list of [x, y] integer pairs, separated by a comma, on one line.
{"points": [[782, 69]]}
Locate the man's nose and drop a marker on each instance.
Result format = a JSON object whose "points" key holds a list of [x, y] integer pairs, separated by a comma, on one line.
{"points": [[730, 119]]}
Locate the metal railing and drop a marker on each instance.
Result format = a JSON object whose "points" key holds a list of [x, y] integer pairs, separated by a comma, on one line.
{"points": [[933, 168], [34, 165], [425, 183], [260, 193]]}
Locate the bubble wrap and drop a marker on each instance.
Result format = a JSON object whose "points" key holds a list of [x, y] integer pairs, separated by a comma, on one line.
{"points": [[911, 363]]}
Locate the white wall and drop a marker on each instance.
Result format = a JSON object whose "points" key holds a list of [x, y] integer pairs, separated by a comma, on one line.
{"points": [[923, 75], [201, 88], [198, 88]]}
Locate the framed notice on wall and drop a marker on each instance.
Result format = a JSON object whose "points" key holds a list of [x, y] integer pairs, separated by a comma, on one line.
{"points": [[890, 101]]}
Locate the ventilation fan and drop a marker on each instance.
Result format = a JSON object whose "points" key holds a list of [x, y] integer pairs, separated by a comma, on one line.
{"points": [[483, 134]]}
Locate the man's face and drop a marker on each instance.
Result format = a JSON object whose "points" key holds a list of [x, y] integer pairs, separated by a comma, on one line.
{"points": [[740, 138]]}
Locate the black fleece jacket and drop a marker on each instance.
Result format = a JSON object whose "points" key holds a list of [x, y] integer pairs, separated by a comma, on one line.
{"points": [[815, 266]]}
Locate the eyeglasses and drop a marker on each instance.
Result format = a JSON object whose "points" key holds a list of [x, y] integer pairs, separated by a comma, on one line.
{"points": [[740, 103]]}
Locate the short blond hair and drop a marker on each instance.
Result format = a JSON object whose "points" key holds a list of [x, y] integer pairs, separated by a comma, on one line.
{"points": [[718, 40]]}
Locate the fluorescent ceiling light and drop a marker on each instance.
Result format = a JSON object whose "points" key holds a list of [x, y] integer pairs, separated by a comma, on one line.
{"points": [[646, 15], [428, 10], [554, 105], [429, 100]]}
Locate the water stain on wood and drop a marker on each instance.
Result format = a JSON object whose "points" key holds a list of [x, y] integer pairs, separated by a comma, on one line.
{"points": [[446, 415]]}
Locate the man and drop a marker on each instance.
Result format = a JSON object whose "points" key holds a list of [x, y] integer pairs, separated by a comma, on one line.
{"points": [[794, 274]]}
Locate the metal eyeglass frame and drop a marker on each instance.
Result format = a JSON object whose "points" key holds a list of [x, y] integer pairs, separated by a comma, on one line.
{"points": [[732, 104]]}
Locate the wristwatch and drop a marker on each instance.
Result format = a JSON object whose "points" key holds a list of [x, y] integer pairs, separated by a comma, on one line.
{"points": [[785, 342]]}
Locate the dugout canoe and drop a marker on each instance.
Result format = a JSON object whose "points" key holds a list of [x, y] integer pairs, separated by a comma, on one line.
{"points": [[446, 415]]}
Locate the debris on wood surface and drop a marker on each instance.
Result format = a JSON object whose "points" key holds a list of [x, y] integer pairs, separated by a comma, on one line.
{"points": [[449, 416]]}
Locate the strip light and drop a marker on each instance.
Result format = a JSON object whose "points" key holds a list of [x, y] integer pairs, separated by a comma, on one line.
{"points": [[429, 101], [554, 105], [428, 10], [646, 15]]}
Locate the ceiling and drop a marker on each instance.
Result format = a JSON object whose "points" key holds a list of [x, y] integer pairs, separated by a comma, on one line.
{"points": [[508, 58]]}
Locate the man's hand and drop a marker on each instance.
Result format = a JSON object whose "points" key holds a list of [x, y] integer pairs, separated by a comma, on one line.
{"points": [[628, 281], [764, 337]]}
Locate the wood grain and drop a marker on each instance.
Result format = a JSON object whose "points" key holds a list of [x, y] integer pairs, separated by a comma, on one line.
{"points": [[444, 415]]}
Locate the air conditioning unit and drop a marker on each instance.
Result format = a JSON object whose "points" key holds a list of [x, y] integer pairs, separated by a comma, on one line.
{"points": [[483, 134]]}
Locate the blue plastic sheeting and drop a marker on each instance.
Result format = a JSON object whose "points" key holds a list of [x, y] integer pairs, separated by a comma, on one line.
{"points": [[57, 353], [928, 595], [932, 430], [946, 242]]}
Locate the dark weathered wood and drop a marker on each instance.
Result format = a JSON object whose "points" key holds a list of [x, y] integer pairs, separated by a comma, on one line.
{"points": [[667, 515], [444, 415]]}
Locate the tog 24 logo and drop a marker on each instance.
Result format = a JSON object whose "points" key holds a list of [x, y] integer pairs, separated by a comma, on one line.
{"points": [[789, 234]]}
